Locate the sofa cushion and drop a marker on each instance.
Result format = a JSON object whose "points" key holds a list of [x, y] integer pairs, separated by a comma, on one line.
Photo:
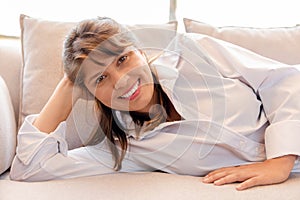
{"points": [[42, 43], [144, 186], [7, 128], [278, 43]]}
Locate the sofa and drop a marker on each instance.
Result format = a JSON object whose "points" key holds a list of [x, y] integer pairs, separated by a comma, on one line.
{"points": [[30, 68]]}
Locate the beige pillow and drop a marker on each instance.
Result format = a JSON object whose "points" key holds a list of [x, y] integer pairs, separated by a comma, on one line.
{"points": [[7, 128], [279, 43], [42, 42]]}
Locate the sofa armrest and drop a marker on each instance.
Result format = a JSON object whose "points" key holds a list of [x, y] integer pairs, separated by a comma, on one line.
{"points": [[7, 128], [10, 68]]}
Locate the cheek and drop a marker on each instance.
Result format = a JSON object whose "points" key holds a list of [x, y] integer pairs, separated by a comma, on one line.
{"points": [[145, 73], [103, 95]]}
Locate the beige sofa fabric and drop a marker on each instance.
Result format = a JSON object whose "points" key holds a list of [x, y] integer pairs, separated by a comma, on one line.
{"points": [[7, 128], [144, 186], [10, 66], [10, 62]]}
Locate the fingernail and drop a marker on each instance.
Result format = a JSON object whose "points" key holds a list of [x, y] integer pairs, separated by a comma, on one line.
{"points": [[238, 187], [217, 182], [205, 179]]}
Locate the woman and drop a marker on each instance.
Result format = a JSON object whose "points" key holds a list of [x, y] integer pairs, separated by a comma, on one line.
{"points": [[202, 106]]}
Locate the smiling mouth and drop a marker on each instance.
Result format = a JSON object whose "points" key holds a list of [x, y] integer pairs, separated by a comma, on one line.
{"points": [[132, 92]]}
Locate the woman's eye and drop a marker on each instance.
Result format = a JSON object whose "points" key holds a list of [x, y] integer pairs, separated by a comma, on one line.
{"points": [[100, 78], [122, 59]]}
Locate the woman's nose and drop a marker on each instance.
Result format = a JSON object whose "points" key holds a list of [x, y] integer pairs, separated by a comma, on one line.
{"points": [[120, 80]]}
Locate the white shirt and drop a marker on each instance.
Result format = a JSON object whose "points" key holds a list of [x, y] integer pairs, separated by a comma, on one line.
{"points": [[238, 107]]}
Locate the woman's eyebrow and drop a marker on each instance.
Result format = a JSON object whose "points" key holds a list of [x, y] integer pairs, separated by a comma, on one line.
{"points": [[97, 62]]}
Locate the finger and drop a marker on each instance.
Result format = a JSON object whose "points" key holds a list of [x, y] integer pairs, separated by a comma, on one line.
{"points": [[210, 178], [215, 172], [221, 170], [254, 181], [231, 178]]}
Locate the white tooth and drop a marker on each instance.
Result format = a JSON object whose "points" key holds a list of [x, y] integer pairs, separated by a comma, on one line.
{"points": [[128, 94]]}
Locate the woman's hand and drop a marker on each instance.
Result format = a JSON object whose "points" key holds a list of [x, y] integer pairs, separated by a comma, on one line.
{"points": [[57, 108], [271, 171]]}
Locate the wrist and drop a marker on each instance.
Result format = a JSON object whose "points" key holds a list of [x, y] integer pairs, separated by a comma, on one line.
{"points": [[287, 160]]}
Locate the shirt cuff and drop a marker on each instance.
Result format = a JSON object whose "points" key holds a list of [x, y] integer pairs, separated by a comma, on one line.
{"points": [[32, 142], [282, 138]]}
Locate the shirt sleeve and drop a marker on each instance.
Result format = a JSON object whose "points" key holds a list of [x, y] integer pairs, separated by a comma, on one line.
{"points": [[274, 83], [41, 156]]}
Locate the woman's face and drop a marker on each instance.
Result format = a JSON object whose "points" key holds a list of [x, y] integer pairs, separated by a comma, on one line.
{"points": [[122, 82]]}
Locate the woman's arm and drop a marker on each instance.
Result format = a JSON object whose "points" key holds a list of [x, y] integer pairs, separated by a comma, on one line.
{"points": [[57, 108], [41, 156], [275, 84], [42, 151]]}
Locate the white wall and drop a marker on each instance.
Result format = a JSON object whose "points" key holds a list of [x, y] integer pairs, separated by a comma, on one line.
{"points": [[125, 11], [253, 13]]}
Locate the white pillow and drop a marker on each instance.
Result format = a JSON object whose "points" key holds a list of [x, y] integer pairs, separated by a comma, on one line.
{"points": [[7, 128], [278, 43]]}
